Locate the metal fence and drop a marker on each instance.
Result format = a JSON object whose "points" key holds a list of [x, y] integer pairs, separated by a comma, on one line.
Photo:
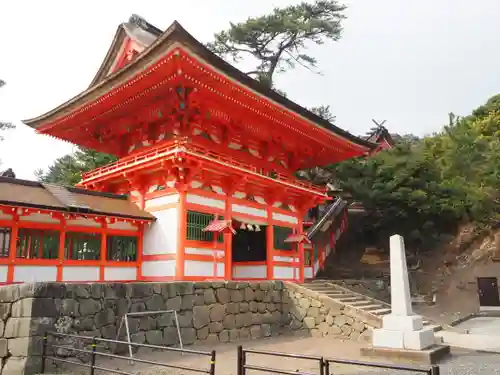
{"points": [[323, 364], [93, 353]]}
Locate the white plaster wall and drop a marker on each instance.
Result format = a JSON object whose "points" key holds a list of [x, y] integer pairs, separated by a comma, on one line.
{"points": [[308, 272], [279, 258], [35, 273], [120, 273], [39, 218], [158, 268], [3, 274], [5, 216], [200, 268], [123, 225], [161, 236], [204, 201], [80, 274], [250, 272], [161, 201], [281, 272], [285, 218], [83, 222], [242, 209], [209, 252]]}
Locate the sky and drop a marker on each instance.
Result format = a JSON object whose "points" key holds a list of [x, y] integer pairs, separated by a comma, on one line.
{"points": [[409, 62]]}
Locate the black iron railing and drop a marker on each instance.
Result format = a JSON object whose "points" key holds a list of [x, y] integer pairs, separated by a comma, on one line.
{"points": [[94, 353], [323, 364]]}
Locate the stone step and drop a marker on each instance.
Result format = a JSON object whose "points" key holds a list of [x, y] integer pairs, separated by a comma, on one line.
{"points": [[370, 308], [361, 304], [351, 299], [379, 312]]}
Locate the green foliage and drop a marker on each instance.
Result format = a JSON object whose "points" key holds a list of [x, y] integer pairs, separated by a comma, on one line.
{"points": [[424, 188], [68, 169], [278, 40], [324, 112]]}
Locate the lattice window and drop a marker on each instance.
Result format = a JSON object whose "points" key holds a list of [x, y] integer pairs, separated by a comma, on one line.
{"points": [[280, 234], [122, 248], [37, 244], [82, 246], [5, 234], [196, 222]]}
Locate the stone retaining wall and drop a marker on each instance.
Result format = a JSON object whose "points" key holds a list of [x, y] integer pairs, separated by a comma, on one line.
{"points": [[208, 312]]}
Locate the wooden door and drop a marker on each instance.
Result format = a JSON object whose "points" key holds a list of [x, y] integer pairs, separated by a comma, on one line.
{"points": [[488, 291]]}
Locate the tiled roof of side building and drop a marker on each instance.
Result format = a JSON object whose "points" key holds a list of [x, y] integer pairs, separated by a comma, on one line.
{"points": [[34, 194]]}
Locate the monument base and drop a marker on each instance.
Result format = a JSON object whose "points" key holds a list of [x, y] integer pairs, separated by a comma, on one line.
{"points": [[429, 356], [399, 339]]}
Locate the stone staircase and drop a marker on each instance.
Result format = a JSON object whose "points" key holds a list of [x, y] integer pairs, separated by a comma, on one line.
{"points": [[368, 307]]}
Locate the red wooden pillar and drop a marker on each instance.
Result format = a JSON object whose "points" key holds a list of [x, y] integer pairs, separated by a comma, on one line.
{"points": [[181, 236], [270, 244], [104, 249], [14, 234], [140, 244], [228, 241], [301, 250], [60, 254]]}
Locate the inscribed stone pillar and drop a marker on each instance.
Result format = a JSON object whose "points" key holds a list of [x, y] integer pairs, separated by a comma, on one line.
{"points": [[401, 329]]}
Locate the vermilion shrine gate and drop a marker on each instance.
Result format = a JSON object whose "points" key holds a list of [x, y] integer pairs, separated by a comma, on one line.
{"points": [[205, 149]]}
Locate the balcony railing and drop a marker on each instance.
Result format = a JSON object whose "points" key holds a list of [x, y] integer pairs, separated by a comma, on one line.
{"points": [[184, 146]]}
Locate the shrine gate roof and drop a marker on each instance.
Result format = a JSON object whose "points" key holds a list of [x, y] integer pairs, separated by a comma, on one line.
{"points": [[149, 46], [31, 194]]}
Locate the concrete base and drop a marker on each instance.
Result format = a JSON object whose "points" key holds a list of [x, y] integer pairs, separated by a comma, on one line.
{"points": [[429, 356], [399, 339]]}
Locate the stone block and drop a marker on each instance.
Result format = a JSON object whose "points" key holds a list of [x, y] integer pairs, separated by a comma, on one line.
{"points": [[155, 303], [21, 366], [202, 333], [358, 326], [236, 295], [244, 307], [233, 308], [5, 309], [223, 295], [387, 339], [229, 322], [20, 347], [23, 327], [104, 318], [89, 307], [224, 336], [67, 306], [418, 340], [171, 336], [324, 328], [245, 333], [166, 320], [187, 302], [147, 323], [138, 338], [203, 285], [209, 296], [174, 303], [212, 339], [340, 320], [329, 319], [188, 335], [97, 291], [234, 335], [34, 307], [346, 329], [185, 319], [402, 323], [215, 327], [305, 303], [154, 337], [217, 312], [266, 330], [185, 288], [109, 332], [249, 294], [334, 330], [309, 323], [201, 316]]}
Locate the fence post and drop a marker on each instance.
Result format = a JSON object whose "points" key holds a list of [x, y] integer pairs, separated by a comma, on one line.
{"points": [[240, 365], [435, 370], [321, 366], [327, 368], [44, 353], [212, 363], [93, 355]]}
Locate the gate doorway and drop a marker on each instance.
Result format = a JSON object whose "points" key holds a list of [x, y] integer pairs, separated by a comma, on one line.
{"points": [[487, 289]]}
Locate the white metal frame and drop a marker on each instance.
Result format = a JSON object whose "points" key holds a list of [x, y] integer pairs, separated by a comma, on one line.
{"points": [[124, 321]]}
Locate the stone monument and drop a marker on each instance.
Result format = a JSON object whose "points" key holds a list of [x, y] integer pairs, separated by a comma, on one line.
{"points": [[403, 333]]}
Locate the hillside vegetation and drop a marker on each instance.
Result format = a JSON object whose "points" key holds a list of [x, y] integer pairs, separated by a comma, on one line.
{"points": [[426, 188]]}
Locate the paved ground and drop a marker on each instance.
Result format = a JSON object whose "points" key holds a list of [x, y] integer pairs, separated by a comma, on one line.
{"points": [[483, 325], [462, 362]]}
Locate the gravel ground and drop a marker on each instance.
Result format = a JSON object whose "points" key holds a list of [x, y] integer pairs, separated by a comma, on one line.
{"points": [[460, 363]]}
